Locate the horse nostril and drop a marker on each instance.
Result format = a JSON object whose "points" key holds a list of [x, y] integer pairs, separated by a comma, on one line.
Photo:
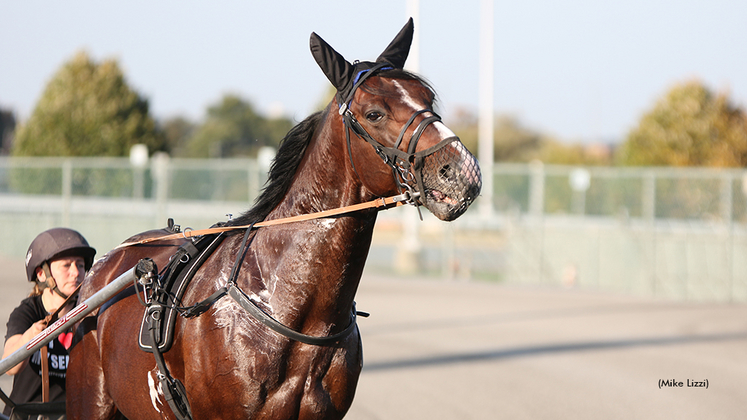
{"points": [[446, 173]]}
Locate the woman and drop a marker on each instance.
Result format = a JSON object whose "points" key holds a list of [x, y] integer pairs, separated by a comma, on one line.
{"points": [[56, 262]]}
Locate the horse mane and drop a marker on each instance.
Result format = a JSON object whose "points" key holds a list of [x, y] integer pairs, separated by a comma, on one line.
{"points": [[291, 152], [283, 168]]}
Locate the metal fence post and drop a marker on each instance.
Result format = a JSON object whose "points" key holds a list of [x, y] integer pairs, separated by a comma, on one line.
{"points": [[67, 190], [138, 160], [727, 216], [407, 259], [648, 212], [161, 188], [580, 180], [486, 117], [726, 198], [537, 210], [536, 188], [648, 199]]}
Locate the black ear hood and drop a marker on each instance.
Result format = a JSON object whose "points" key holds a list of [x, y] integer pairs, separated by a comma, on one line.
{"points": [[344, 75]]}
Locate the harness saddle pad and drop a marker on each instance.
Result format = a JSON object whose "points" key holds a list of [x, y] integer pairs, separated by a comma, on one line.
{"points": [[170, 289]]}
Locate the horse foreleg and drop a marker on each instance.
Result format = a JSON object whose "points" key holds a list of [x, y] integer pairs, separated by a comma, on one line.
{"points": [[87, 398]]}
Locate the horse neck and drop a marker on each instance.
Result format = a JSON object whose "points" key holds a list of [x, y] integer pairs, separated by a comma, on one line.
{"points": [[324, 179], [331, 252]]}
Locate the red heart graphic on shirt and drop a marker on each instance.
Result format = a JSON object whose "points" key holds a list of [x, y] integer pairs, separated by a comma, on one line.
{"points": [[66, 339]]}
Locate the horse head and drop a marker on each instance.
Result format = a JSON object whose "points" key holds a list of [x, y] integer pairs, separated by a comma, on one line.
{"points": [[395, 141]]}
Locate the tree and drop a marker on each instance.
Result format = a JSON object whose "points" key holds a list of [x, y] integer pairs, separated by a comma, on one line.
{"points": [[7, 129], [177, 132], [233, 128], [689, 126], [514, 142], [87, 109]]}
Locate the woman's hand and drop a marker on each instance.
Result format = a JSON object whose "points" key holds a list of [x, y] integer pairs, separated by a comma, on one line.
{"points": [[16, 341]]}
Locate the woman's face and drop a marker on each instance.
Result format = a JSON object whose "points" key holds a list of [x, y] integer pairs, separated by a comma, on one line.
{"points": [[68, 272]]}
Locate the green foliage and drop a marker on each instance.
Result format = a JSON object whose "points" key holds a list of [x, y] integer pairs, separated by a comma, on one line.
{"points": [[689, 126], [515, 143], [511, 141], [233, 128], [464, 124], [177, 132], [555, 152], [7, 128], [87, 109]]}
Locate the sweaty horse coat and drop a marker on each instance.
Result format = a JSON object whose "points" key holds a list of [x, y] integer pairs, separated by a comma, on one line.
{"points": [[378, 137]]}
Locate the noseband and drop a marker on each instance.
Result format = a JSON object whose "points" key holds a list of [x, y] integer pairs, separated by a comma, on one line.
{"points": [[406, 166]]}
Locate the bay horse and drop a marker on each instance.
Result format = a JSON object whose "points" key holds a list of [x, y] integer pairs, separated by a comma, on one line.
{"points": [[379, 136]]}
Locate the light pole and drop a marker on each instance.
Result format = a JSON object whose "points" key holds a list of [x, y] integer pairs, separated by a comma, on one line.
{"points": [[485, 117]]}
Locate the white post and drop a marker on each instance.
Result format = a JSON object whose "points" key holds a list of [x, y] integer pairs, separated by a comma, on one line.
{"points": [[727, 199], [67, 191], [160, 171], [138, 160], [536, 189], [407, 257], [648, 201], [580, 180], [486, 113]]}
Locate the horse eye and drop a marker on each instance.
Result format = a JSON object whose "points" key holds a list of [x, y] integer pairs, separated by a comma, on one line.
{"points": [[374, 116]]}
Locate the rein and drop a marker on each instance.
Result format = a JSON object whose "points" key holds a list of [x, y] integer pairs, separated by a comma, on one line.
{"points": [[395, 201]]}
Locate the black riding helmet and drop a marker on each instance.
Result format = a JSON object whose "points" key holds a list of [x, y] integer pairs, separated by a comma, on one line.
{"points": [[56, 243]]}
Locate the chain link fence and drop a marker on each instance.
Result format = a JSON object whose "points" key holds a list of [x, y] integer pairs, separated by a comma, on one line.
{"points": [[674, 233]]}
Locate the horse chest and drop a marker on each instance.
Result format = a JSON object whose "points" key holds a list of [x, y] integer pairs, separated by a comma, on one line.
{"points": [[284, 381]]}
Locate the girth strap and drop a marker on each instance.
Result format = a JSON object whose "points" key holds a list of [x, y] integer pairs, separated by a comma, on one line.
{"points": [[243, 300], [275, 325]]}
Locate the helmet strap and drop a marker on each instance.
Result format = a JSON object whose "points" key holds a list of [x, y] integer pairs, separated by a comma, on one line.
{"points": [[51, 282]]}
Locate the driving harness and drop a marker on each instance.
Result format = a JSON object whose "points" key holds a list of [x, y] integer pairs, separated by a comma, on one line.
{"points": [[161, 295]]}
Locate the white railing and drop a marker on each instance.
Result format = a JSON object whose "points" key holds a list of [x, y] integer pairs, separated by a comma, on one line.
{"points": [[668, 232]]}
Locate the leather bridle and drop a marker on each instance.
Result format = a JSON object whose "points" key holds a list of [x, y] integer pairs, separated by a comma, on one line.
{"points": [[406, 166]]}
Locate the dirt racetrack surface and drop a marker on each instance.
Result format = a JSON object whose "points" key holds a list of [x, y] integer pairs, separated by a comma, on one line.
{"points": [[450, 350]]}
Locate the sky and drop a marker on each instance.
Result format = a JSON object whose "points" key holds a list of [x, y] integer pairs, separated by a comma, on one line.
{"points": [[579, 70]]}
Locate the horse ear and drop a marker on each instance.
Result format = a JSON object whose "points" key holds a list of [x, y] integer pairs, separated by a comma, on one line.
{"points": [[396, 52], [335, 67]]}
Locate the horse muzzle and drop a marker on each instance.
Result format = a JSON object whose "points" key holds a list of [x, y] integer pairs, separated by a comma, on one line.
{"points": [[450, 179]]}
